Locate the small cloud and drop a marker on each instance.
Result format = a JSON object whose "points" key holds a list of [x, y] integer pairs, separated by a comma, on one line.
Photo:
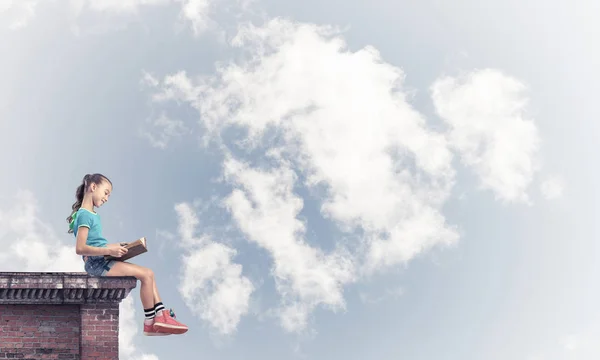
{"points": [[552, 188], [197, 13], [487, 115]]}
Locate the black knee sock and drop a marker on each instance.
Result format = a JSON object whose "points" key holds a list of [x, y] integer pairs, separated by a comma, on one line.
{"points": [[158, 307], [150, 313]]}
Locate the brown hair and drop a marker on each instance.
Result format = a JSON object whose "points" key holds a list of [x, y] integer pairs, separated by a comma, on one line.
{"points": [[88, 179]]}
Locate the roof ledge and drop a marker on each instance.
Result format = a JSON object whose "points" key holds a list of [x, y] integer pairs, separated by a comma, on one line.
{"points": [[62, 288]]}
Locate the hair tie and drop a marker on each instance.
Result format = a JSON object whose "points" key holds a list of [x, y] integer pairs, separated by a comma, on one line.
{"points": [[73, 217]]}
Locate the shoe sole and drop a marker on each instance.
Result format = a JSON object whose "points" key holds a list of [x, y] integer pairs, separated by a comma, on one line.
{"points": [[172, 329]]}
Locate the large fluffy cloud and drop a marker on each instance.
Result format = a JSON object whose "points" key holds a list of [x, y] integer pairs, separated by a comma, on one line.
{"points": [[337, 123]]}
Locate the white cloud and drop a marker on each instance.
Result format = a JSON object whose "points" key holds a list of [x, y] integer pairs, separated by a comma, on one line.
{"points": [[17, 13], [177, 87], [486, 112], [197, 13], [552, 188], [200, 15], [344, 128], [30, 244], [163, 130], [212, 285]]}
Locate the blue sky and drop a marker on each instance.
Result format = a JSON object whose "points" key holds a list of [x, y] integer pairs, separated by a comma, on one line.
{"points": [[317, 180]]}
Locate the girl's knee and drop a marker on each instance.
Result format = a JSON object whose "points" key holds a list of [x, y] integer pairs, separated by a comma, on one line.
{"points": [[146, 274]]}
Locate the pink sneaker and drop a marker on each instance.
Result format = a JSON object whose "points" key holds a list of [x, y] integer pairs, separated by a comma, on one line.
{"points": [[150, 331], [166, 323]]}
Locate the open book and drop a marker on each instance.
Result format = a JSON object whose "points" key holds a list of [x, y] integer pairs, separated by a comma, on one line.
{"points": [[134, 248]]}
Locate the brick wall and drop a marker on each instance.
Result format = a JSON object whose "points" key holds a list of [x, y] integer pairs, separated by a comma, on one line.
{"points": [[60, 315], [100, 331], [39, 331]]}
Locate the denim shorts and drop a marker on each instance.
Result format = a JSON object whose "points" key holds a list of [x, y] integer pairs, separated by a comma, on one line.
{"points": [[98, 266]]}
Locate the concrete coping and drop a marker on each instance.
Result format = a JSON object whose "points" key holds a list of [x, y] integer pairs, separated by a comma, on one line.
{"points": [[62, 288]]}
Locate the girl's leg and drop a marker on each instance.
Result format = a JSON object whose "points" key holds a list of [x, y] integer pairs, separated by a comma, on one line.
{"points": [[144, 275], [156, 296], [154, 288], [150, 297]]}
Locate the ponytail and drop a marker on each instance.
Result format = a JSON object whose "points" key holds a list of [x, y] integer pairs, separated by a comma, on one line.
{"points": [[79, 194]]}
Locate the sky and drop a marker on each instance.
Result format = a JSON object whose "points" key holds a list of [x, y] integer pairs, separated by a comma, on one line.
{"points": [[317, 180]]}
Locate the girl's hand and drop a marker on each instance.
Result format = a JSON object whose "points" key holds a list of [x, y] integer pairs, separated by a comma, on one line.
{"points": [[116, 250]]}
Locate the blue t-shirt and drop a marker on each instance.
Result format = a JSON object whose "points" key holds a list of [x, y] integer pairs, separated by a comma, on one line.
{"points": [[90, 220]]}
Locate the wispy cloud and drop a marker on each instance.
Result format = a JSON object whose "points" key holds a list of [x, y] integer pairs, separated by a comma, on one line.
{"points": [[489, 126], [163, 130], [100, 15]]}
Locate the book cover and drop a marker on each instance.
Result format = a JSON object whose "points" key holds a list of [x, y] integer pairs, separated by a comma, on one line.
{"points": [[134, 248]]}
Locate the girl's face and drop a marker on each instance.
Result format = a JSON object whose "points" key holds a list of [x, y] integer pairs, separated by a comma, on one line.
{"points": [[100, 193]]}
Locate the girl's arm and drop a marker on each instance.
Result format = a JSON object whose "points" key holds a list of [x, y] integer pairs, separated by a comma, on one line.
{"points": [[82, 249]]}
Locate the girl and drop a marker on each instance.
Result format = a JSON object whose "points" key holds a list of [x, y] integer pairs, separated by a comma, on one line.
{"points": [[85, 224]]}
